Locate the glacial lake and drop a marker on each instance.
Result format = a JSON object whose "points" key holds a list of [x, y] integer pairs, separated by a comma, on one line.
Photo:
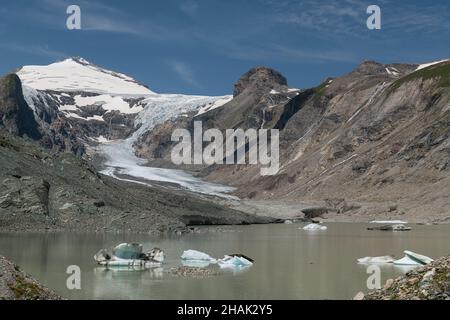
{"points": [[289, 263]]}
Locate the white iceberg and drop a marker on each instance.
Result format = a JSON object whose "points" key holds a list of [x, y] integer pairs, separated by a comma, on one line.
{"points": [[413, 259], [130, 255], [418, 257], [197, 256], [406, 261], [234, 262], [389, 222], [315, 226], [376, 260]]}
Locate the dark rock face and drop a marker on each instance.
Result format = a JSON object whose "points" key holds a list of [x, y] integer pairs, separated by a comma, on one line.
{"points": [[15, 115], [261, 98], [259, 79], [25, 195]]}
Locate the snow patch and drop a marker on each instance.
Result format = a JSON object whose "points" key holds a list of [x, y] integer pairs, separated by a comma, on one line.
{"points": [[214, 105], [76, 116], [108, 102], [392, 71], [426, 65]]}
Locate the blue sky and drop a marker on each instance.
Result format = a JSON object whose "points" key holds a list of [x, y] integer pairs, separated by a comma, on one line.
{"points": [[203, 46]]}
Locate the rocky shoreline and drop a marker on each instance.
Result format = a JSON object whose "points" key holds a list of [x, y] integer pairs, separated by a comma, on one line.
{"points": [[16, 285], [431, 282]]}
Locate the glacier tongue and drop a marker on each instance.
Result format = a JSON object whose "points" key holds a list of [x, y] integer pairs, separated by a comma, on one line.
{"points": [[121, 158]]}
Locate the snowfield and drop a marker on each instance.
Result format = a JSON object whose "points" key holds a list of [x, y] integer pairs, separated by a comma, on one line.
{"points": [[77, 74]]}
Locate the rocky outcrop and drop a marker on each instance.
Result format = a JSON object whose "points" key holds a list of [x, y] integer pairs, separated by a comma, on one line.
{"points": [[16, 285], [259, 80], [261, 99], [15, 115], [25, 195], [431, 282]]}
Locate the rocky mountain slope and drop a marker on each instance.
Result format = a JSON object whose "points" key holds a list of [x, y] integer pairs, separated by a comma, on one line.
{"points": [[45, 190], [372, 143], [15, 115], [16, 285]]}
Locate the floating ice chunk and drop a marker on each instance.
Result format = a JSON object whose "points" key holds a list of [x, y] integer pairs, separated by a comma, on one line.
{"points": [[389, 222], [413, 259], [234, 261], [128, 251], [401, 227], [315, 226], [197, 256], [406, 261], [418, 257], [376, 260]]}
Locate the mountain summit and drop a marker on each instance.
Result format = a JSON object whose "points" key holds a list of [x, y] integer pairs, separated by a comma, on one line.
{"points": [[78, 74]]}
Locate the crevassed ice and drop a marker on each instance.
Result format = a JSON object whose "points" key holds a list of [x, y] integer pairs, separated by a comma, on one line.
{"points": [[121, 158]]}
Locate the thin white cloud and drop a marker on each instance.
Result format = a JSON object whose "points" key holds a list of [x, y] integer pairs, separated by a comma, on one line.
{"points": [[184, 72], [94, 16], [37, 50], [237, 49]]}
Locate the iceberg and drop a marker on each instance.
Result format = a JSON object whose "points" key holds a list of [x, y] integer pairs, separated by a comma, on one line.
{"points": [[129, 255], [128, 251], [418, 257], [413, 259], [235, 262], [406, 261], [197, 256], [315, 226], [376, 260], [401, 227], [389, 222]]}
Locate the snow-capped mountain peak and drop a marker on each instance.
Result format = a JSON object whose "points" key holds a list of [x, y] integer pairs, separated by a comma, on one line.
{"points": [[79, 75], [114, 104]]}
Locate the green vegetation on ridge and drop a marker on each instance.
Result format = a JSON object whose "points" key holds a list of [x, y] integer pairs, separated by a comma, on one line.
{"points": [[438, 71]]}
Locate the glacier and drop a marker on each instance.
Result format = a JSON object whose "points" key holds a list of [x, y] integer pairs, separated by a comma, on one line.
{"points": [[93, 85], [121, 158]]}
